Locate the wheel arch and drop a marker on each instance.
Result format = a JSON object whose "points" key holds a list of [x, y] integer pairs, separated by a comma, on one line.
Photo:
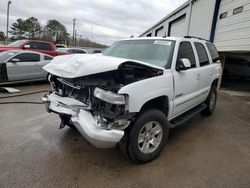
{"points": [[215, 83], [161, 103]]}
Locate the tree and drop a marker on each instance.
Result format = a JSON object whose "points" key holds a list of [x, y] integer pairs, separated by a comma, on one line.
{"points": [[57, 30], [2, 35], [18, 29], [29, 28], [32, 27]]}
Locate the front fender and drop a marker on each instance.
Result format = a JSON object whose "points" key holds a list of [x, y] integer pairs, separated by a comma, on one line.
{"points": [[145, 90]]}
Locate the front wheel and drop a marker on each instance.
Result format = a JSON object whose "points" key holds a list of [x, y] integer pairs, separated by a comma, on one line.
{"points": [[146, 137], [210, 102]]}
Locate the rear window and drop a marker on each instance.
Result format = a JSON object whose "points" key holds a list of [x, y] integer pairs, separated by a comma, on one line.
{"points": [[213, 52], [202, 54]]}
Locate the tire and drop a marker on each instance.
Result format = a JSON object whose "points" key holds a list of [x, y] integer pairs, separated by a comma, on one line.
{"points": [[67, 121], [150, 127], [210, 102]]}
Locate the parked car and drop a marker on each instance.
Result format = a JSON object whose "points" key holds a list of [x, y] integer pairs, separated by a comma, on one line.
{"points": [[61, 46], [33, 45], [71, 50], [236, 67], [135, 92], [22, 66]]}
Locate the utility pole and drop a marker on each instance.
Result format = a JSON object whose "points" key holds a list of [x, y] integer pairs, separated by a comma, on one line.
{"points": [[91, 35], [74, 27], [7, 27], [75, 36]]}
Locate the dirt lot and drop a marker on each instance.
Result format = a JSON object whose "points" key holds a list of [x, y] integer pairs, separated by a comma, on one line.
{"points": [[204, 152]]}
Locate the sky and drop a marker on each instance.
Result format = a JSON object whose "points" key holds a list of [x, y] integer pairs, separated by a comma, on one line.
{"points": [[111, 20]]}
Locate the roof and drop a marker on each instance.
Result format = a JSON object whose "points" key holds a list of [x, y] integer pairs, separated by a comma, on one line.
{"points": [[184, 5], [189, 38]]}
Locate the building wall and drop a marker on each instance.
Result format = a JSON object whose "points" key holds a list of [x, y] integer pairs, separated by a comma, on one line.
{"points": [[201, 18], [197, 24], [233, 32]]}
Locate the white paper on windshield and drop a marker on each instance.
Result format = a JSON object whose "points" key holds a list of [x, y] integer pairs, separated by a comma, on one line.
{"points": [[162, 42]]}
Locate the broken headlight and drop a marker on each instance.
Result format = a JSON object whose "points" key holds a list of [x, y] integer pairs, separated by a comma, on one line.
{"points": [[109, 97]]}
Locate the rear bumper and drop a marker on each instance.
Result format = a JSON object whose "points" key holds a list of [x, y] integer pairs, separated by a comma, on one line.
{"points": [[83, 120]]}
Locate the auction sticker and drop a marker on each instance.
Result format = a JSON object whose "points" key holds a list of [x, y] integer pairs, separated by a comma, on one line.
{"points": [[162, 42]]}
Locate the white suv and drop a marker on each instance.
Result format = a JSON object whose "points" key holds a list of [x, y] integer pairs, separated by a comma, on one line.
{"points": [[135, 92]]}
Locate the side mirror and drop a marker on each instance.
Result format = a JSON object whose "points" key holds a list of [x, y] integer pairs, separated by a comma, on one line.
{"points": [[183, 64], [26, 46], [15, 60]]}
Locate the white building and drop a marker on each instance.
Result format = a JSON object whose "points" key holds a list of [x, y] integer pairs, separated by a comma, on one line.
{"points": [[226, 23]]}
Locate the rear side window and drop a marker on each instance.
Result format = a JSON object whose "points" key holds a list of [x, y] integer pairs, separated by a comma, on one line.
{"points": [[186, 51], [40, 46], [213, 52], [46, 57], [27, 57], [202, 54]]}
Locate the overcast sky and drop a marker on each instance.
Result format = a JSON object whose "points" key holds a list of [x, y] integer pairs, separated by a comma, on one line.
{"points": [[111, 19]]}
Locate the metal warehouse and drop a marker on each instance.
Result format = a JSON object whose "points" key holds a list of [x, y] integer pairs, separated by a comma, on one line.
{"points": [[226, 23]]}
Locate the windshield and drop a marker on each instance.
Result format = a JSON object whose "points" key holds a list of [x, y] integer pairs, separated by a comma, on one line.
{"points": [[155, 52], [4, 56], [17, 43]]}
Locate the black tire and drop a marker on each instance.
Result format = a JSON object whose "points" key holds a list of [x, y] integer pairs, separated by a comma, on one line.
{"points": [[130, 145], [67, 121], [210, 102]]}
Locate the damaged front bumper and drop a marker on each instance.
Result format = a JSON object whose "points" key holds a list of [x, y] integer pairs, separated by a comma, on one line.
{"points": [[83, 120]]}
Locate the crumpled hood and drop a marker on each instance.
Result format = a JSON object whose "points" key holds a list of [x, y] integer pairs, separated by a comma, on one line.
{"points": [[78, 65]]}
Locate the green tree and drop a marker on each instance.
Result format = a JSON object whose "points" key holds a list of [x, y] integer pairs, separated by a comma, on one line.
{"points": [[29, 28], [2, 35], [57, 30], [18, 29], [32, 28]]}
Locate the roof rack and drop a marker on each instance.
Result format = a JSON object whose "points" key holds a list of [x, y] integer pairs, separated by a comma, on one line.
{"points": [[189, 37]]}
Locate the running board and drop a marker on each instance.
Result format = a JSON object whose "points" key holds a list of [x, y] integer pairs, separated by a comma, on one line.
{"points": [[187, 115]]}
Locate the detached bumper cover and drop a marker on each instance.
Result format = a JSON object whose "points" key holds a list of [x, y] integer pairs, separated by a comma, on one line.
{"points": [[83, 120]]}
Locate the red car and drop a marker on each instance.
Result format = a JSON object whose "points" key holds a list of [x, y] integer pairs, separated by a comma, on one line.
{"points": [[33, 45]]}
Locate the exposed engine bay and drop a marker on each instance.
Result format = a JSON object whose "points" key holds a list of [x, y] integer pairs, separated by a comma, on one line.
{"points": [[84, 88]]}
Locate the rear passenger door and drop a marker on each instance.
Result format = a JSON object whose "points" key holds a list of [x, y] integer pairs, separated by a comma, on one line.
{"points": [[185, 82], [205, 71]]}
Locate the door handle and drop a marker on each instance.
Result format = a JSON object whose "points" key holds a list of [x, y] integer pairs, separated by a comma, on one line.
{"points": [[198, 76]]}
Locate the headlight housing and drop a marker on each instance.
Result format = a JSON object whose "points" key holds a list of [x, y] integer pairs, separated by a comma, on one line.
{"points": [[109, 96]]}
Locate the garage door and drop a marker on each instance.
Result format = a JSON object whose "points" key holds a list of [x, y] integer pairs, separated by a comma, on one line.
{"points": [[178, 27], [160, 32]]}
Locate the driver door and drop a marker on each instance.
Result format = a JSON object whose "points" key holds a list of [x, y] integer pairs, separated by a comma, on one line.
{"points": [[23, 66], [185, 81]]}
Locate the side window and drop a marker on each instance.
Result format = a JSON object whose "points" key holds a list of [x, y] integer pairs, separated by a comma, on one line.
{"points": [[213, 51], [79, 51], [46, 57], [186, 51], [27, 57], [40, 46], [202, 54], [70, 51]]}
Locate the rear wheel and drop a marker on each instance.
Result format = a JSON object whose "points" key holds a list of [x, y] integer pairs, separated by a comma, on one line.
{"points": [[210, 102], [146, 137]]}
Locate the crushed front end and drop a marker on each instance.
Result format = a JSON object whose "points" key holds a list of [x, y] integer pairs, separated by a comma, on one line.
{"points": [[92, 105], [85, 95]]}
